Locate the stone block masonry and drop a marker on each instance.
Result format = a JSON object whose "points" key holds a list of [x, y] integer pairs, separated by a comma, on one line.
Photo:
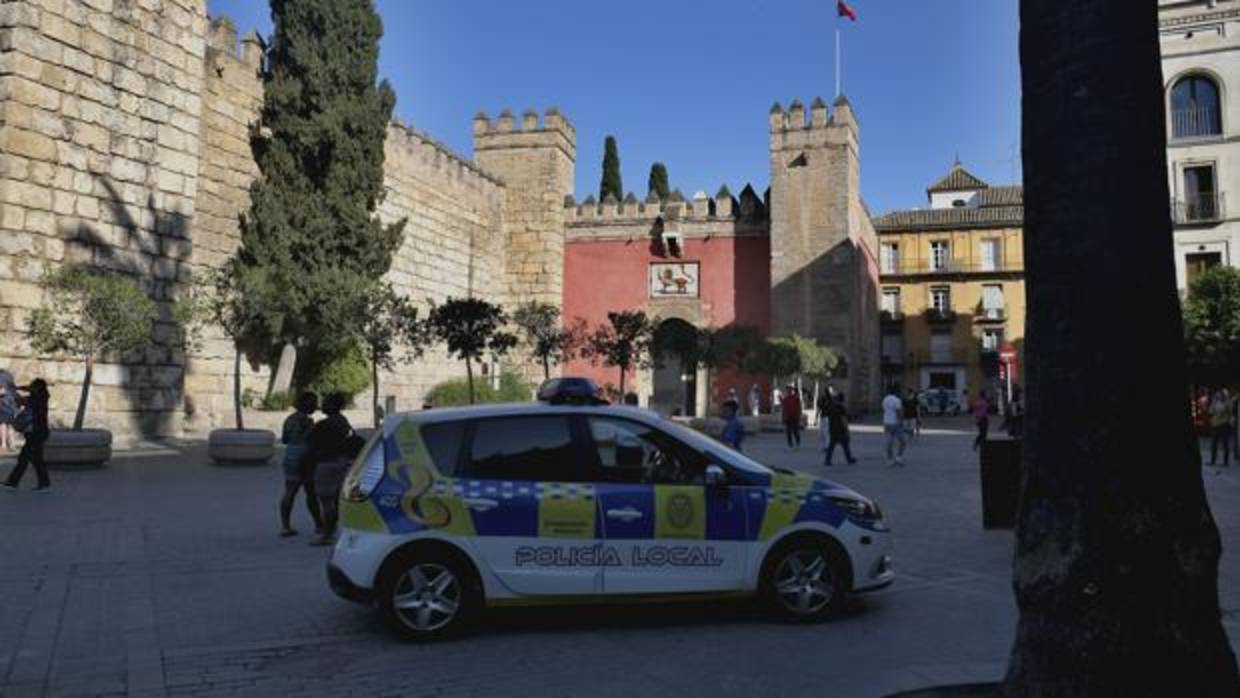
{"points": [[124, 144]]}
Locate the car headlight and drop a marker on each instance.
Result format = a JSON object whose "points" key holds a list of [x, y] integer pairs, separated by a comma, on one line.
{"points": [[859, 507]]}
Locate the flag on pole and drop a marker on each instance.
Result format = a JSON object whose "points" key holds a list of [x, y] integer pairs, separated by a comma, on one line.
{"points": [[845, 10]]}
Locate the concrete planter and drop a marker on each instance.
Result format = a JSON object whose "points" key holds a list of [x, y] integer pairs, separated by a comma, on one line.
{"points": [[249, 447], [88, 448]]}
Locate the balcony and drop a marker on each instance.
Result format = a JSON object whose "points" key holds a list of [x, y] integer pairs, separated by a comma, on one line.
{"points": [[1199, 209], [922, 266], [1195, 123], [887, 316], [984, 314], [935, 316]]}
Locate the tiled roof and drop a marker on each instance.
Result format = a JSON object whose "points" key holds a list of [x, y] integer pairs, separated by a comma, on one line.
{"points": [[951, 218], [1001, 196], [959, 179]]}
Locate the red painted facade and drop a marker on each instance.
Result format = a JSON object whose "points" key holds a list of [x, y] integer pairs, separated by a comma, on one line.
{"points": [[607, 275]]}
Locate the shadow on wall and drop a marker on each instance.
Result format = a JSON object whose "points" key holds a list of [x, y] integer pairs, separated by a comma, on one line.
{"points": [[153, 247]]}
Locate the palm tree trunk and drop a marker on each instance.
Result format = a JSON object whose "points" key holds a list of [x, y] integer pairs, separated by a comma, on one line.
{"points": [[1116, 571], [237, 388], [79, 419]]}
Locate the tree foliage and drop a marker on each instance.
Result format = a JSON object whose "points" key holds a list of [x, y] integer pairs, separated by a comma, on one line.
{"points": [[815, 362], [623, 343], [470, 328], [679, 340], [388, 324], [737, 347], [1212, 327], [87, 315], [611, 183], [548, 342], [778, 358], [311, 232], [658, 183]]}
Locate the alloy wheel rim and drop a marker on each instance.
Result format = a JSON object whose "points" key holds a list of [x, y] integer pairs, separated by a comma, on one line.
{"points": [[803, 582], [427, 597]]}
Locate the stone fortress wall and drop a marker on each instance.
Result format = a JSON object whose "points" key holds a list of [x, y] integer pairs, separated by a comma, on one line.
{"points": [[124, 143]]}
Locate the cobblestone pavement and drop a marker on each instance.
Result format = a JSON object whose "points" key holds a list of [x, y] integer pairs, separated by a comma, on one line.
{"points": [[162, 575]]}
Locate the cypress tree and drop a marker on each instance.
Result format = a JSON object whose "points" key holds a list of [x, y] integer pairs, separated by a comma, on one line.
{"points": [[311, 238], [611, 172], [658, 181]]}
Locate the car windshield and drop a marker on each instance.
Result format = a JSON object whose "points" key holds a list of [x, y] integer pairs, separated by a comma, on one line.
{"points": [[713, 449]]}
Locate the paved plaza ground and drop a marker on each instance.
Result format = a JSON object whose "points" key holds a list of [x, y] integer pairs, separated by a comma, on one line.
{"points": [[163, 575]]}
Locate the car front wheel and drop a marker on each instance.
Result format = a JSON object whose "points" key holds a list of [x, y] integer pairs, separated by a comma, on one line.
{"points": [[805, 581], [428, 597]]}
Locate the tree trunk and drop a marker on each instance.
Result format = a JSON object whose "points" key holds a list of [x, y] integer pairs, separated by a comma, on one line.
{"points": [[282, 380], [546, 368], [237, 388], [374, 381], [79, 419], [1116, 570], [623, 370], [469, 376]]}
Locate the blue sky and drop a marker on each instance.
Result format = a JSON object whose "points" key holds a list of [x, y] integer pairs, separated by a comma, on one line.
{"points": [[691, 83]]}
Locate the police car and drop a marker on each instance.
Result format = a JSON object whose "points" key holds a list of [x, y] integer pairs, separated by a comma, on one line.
{"points": [[449, 511]]}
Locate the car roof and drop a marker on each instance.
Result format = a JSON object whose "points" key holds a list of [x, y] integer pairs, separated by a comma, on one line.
{"points": [[519, 409]]}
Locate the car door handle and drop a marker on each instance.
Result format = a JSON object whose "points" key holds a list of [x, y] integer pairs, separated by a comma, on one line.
{"points": [[625, 514], [478, 504]]}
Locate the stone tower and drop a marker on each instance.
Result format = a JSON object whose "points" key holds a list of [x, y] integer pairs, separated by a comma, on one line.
{"points": [[824, 271], [537, 164]]}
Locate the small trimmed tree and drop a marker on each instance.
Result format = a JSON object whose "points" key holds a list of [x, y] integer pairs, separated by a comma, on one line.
{"points": [[1212, 327], [611, 183], [89, 314], [736, 347], [658, 183], [624, 342], [471, 328], [547, 340], [777, 358], [388, 322]]}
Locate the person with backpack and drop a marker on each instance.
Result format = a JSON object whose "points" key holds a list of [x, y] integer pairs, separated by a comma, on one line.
{"points": [[32, 421]]}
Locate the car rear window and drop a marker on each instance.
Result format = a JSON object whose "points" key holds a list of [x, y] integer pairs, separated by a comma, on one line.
{"points": [[443, 440]]}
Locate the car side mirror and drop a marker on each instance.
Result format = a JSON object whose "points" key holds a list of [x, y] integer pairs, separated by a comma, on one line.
{"points": [[715, 476]]}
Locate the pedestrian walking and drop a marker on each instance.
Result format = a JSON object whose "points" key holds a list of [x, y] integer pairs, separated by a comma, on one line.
{"points": [[32, 421], [912, 413], [329, 444], [755, 401], [791, 412], [980, 409], [8, 410], [297, 427], [893, 427], [1221, 427], [733, 430], [836, 417], [733, 399], [777, 401]]}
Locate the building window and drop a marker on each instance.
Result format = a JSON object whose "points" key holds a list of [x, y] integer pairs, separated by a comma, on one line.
{"points": [[992, 340], [893, 348], [1201, 198], [1195, 108], [990, 255], [940, 255], [992, 302], [891, 302], [941, 299], [941, 347], [889, 260], [1196, 264]]}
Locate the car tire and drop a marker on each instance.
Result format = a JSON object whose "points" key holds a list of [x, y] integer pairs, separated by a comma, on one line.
{"points": [[429, 594], [805, 579]]}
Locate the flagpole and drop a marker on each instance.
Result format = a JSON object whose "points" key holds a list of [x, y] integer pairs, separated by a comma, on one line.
{"points": [[837, 59]]}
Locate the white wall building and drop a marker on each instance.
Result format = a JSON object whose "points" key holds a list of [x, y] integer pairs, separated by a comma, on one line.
{"points": [[1201, 66]]}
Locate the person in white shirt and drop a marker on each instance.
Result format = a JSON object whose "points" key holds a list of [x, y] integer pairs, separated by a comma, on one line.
{"points": [[893, 426]]}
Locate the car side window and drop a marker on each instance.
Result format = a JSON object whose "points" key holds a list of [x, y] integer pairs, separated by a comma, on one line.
{"points": [[632, 452], [443, 441], [524, 448]]}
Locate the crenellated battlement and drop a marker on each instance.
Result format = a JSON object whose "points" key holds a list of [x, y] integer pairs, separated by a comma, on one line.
{"points": [[222, 41], [702, 208], [548, 130], [818, 117], [419, 147]]}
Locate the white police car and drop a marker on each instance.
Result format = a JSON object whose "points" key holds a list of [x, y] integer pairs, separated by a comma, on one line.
{"points": [[449, 511]]}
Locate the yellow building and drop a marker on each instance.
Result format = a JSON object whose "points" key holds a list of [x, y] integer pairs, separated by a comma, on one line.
{"points": [[952, 280]]}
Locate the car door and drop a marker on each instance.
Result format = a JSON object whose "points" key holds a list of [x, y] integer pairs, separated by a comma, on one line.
{"points": [[666, 531], [533, 510]]}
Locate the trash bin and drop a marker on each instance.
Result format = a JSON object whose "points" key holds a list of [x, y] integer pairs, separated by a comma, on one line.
{"points": [[1000, 465]]}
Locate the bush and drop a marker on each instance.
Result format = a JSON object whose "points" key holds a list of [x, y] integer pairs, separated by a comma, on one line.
{"points": [[455, 393], [280, 401], [348, 374]]}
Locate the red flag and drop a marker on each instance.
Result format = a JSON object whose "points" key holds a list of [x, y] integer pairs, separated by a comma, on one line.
{"points": [[845, 10]]}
